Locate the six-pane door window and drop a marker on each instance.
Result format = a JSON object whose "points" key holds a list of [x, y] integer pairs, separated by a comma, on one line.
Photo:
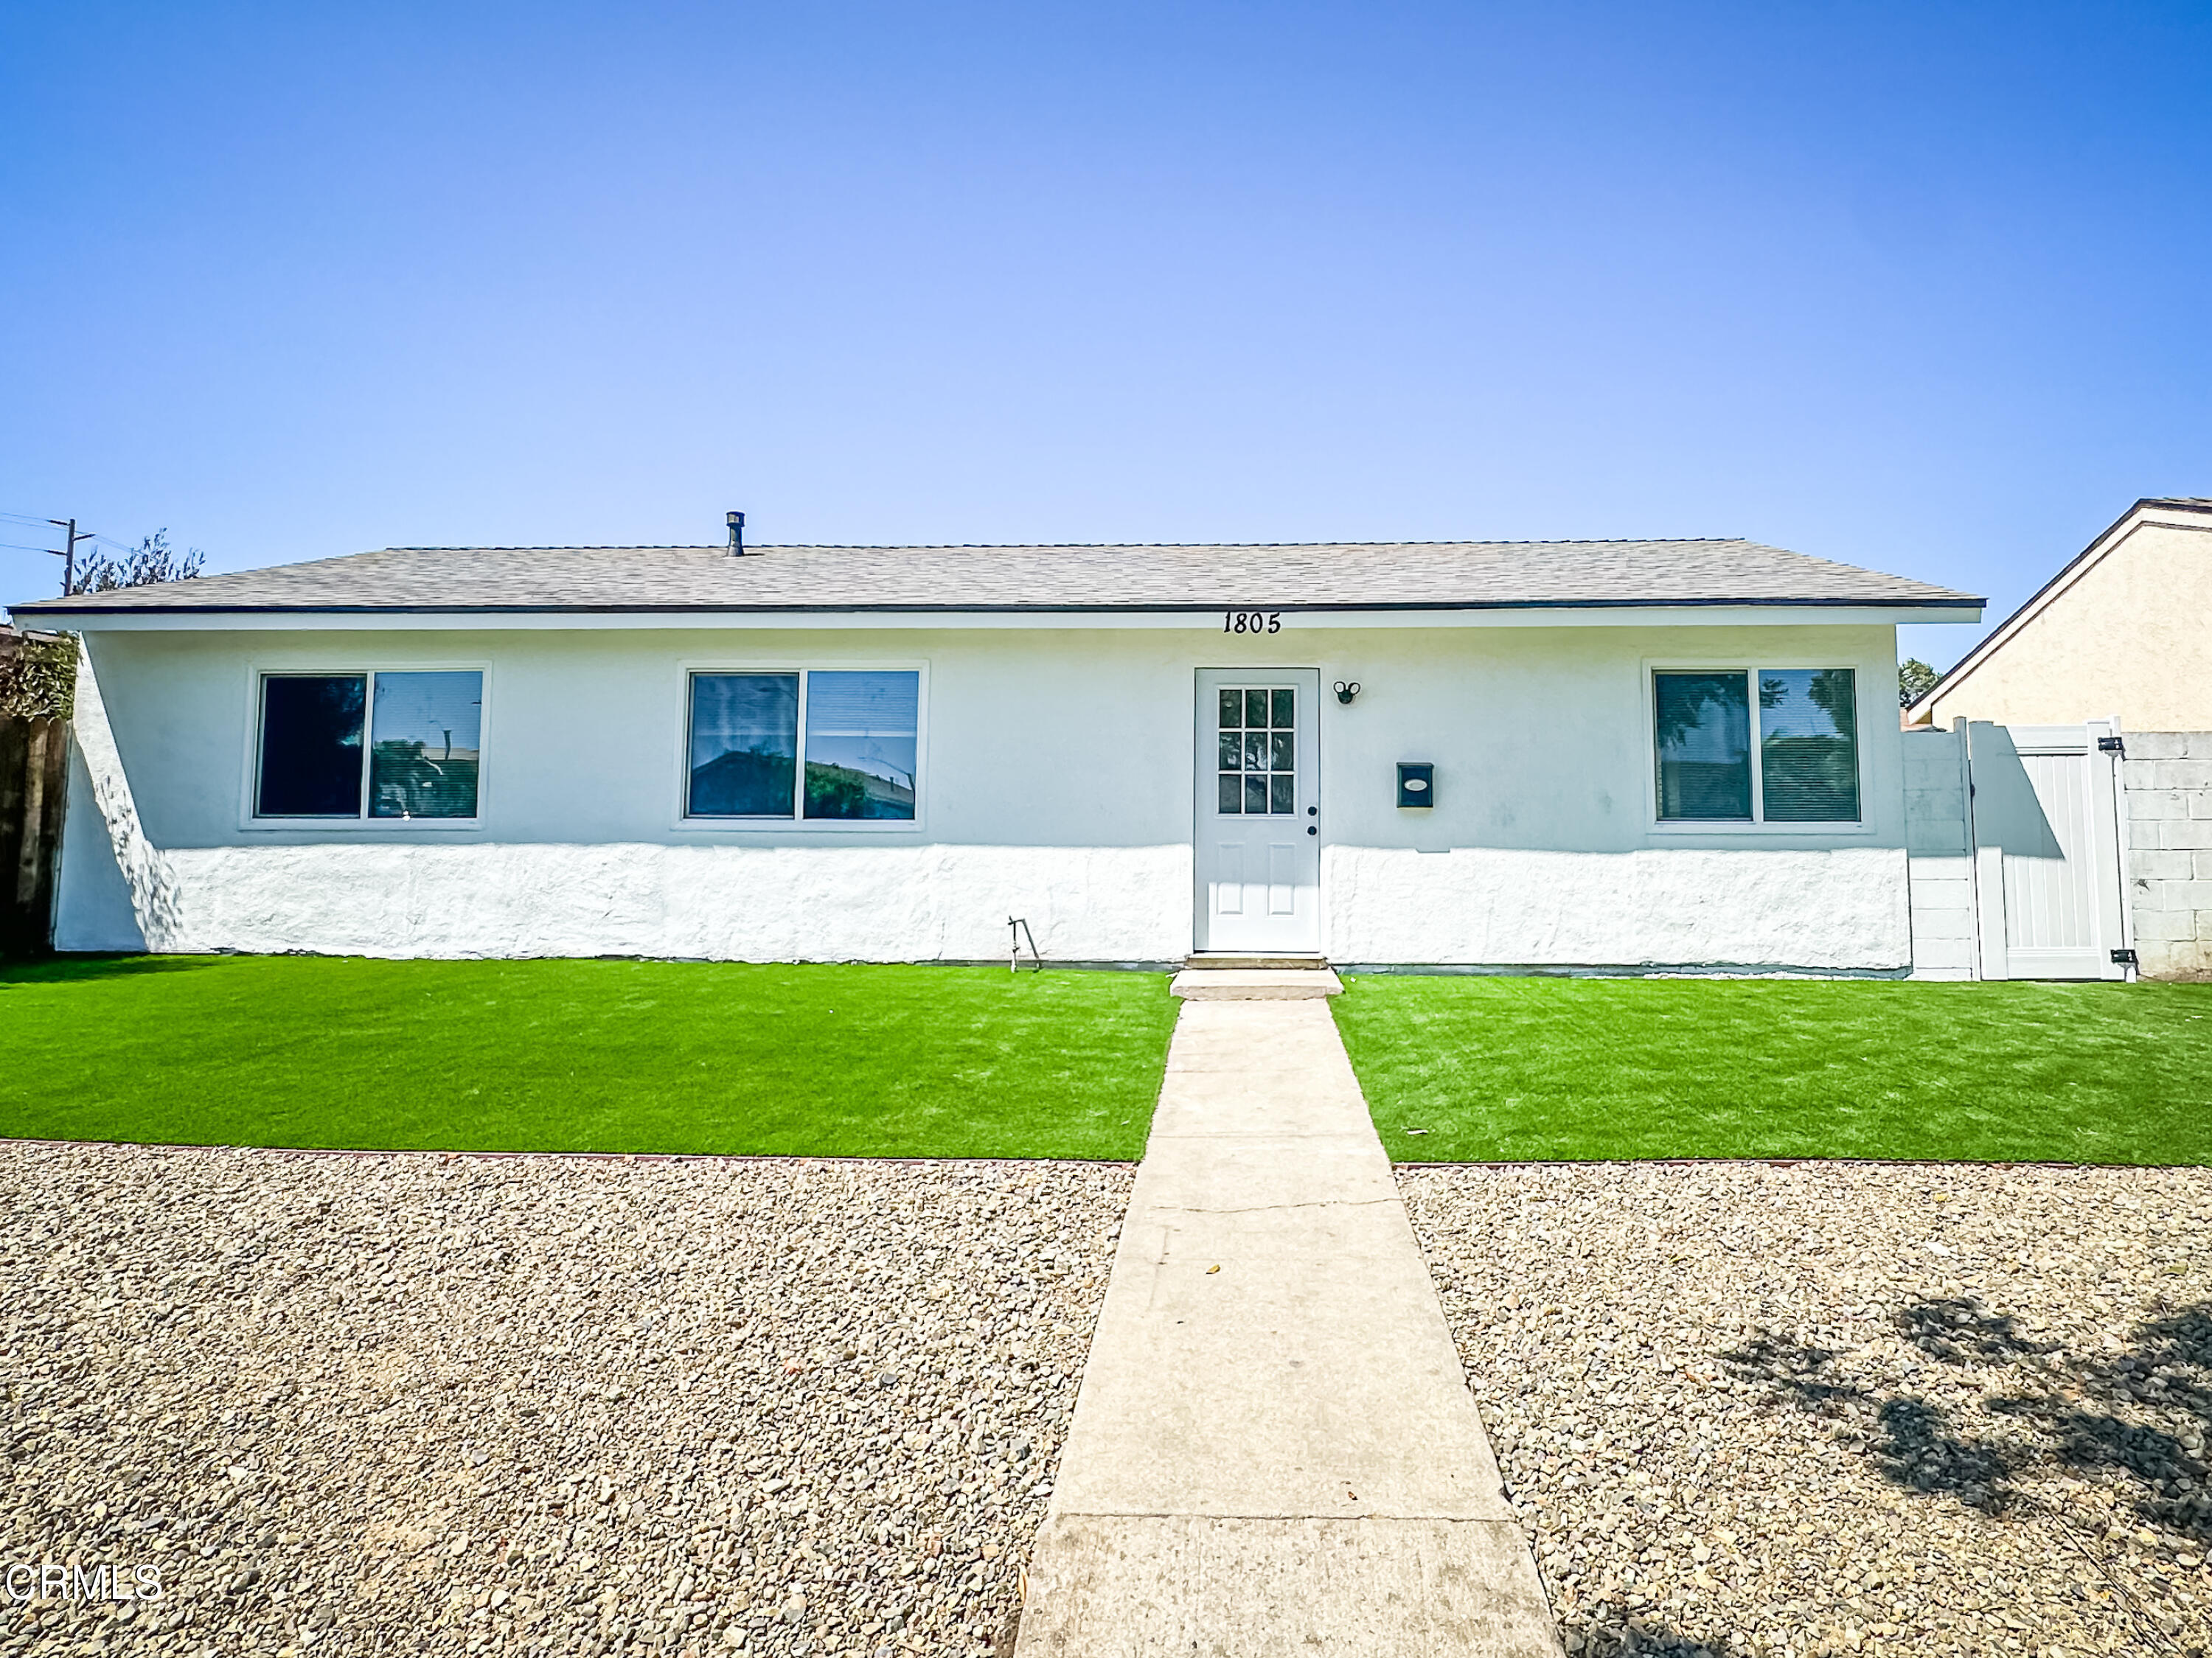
{"points": [[424, 731], [857, 729], [1257, 771], [1807, 723]]}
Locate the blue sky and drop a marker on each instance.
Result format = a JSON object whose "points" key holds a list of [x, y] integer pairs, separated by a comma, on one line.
{"points": [[1922, 287]]}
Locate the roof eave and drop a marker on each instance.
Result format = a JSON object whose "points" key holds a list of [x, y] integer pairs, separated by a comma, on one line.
{"points": [[46, 608]]}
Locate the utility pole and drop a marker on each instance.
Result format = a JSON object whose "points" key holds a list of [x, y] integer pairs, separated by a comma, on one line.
{"points": [[69, 551]]}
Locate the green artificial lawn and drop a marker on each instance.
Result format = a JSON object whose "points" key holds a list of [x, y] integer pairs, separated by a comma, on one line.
{"points": [[1524, 1069], [583, 1056]]}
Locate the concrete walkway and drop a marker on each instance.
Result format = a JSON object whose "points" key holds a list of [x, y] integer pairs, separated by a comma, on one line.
{"points": [[1274, 1451]]}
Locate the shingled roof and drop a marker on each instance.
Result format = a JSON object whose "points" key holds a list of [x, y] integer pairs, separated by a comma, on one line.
{"points": [[1322, 575]]}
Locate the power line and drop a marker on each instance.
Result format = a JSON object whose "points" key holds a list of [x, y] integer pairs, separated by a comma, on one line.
{"points": [[67, 553], [105, 541], [40, 521]]}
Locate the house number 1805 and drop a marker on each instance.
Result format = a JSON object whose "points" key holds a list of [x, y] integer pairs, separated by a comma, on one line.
{"points": [[1251, 622]]}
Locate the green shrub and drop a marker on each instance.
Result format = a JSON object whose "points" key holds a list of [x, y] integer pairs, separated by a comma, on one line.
{"points": [[37, 676]]}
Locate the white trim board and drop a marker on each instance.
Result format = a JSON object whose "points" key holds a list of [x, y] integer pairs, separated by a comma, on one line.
{"points": [[1200, 622]]}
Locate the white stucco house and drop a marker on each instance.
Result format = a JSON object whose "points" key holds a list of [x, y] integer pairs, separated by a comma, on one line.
{"points": [[1565, 754]]}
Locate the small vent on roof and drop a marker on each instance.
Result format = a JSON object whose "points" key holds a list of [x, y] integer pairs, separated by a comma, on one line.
{"points": [[736, 522]]}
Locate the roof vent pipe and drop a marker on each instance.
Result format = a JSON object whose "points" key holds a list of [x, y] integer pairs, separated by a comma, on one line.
{"points": [[736, 522]]}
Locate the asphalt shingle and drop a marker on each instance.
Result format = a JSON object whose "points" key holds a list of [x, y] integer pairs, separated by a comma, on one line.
{"points": [[1369, 576]]}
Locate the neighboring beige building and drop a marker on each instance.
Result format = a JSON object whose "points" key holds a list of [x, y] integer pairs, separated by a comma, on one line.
{"points": [[2124, 629]]}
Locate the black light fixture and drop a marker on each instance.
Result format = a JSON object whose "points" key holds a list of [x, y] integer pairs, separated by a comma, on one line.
{"points": [[1346, 690], [736, 522], [1417, 783]]}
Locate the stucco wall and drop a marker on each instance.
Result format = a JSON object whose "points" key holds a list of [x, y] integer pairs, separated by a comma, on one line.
{"points": [[116, 889], [2127, 635], [1841, 909], [734, 903], [1056, 783], [93, 906], [2167, 783]]}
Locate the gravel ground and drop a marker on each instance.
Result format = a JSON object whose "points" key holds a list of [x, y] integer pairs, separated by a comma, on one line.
{"points": [[410, 1404], [1843, 1408]]}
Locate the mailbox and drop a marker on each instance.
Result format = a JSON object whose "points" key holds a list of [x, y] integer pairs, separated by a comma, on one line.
{"points": [[1417, 783]]}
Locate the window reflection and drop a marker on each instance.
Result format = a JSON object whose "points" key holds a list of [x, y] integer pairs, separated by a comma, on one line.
{"points": [[425, 742], [744, 744], [860, 743], [1703, 728], [1809, 756]]}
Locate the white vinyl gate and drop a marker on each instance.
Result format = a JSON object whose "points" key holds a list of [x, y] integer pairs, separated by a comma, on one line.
{"points": [[2044, 813]]}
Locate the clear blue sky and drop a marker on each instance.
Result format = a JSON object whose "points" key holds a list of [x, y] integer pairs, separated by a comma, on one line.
{"points": [[1925, 286]]}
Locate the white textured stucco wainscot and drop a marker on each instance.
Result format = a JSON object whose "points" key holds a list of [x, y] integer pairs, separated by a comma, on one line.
{"points": [[723, 903], [1843, 909]]}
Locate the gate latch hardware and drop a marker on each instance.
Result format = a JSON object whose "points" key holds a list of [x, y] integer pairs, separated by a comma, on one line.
{"points": [[2110, 745], [2123, 957]]}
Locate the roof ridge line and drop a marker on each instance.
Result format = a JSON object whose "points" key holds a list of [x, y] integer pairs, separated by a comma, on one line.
{"points": [[1055, 546]]}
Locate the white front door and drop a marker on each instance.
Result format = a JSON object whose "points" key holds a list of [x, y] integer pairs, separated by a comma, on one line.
{"points": [[1259, 808]]}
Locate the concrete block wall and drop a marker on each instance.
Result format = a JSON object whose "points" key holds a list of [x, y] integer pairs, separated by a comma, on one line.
{"points": [[1939, 862], [2167, 782]]}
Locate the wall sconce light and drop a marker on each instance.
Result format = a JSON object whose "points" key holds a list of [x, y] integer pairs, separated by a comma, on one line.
{"points": [[1417, 783], [1346, 690]]}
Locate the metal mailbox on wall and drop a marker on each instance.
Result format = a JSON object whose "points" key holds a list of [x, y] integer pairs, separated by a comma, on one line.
{"points": [[1417, 783]]}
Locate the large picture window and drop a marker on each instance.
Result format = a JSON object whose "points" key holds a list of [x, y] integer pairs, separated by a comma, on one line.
{"points": [[1802, 723], [856, 729], [369, 744]]}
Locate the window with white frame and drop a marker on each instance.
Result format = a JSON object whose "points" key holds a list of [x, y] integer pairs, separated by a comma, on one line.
{"points": [[1800, 722], [818, 744], [369, 744]]}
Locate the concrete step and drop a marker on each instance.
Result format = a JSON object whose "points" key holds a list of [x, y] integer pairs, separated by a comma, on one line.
{"points": [[1223, 961], [1256, 984]]}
